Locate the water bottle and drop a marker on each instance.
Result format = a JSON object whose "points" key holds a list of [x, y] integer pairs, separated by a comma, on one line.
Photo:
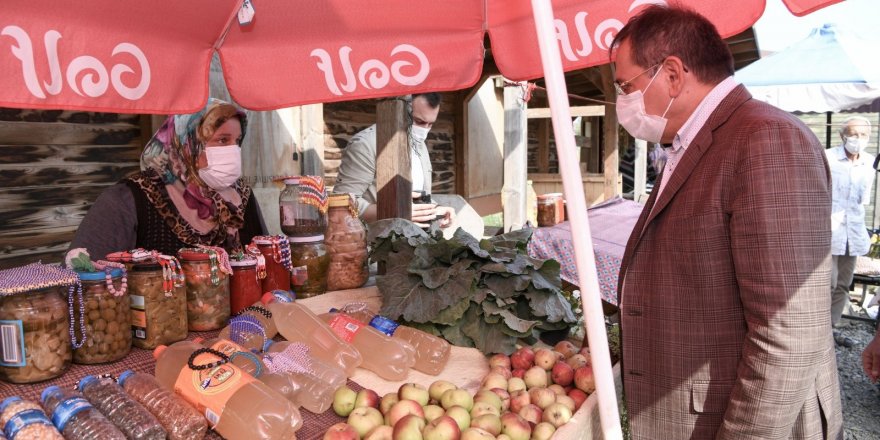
{"points": [[181, 421], [25, 420], [129, 416], [76, 418]]}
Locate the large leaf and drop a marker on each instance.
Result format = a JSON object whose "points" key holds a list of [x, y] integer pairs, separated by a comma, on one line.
{"points": [[425, 327], [452, 314], [391, 227], [488, 338], [404, 295], [437, 275], [547, 275], [455, 336], [470, 242], [444, 251], [515, 326], [551, 305], [505, 286]]}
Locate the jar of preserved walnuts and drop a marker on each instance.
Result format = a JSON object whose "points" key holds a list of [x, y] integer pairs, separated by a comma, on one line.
{"points": [[107, 320], [207, 288], [35, 322], [158, 303], [310, 261], [346, 241]]}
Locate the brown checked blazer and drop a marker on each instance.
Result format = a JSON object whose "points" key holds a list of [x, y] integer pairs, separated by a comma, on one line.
{"points": [[724, 287]]}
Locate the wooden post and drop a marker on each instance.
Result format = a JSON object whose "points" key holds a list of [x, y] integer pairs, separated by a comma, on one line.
{"points": [[312, 129], [640, 179], [612, 161], [513, 193], [544, 146], [393, 168], [460, 142]]}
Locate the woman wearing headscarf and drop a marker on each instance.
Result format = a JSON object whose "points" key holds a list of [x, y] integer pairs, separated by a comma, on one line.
{"points": [[189, 191]]}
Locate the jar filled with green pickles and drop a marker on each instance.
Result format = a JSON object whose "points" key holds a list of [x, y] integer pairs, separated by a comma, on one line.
{"points": [[158, 303], [310, 262]]}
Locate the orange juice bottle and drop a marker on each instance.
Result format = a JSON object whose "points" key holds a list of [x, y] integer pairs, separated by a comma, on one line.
{"points": [[431, 352], [298, 324], [236, 405], [389, 358], [293, 378]]}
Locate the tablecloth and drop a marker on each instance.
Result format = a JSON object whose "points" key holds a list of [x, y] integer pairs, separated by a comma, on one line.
{"points": [[611, 223]]}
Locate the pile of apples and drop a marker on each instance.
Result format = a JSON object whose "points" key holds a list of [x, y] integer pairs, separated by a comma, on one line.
{"points": [[525, 396]]}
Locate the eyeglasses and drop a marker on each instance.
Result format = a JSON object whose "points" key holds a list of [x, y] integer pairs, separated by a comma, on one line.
{"points": [[623, 88]]}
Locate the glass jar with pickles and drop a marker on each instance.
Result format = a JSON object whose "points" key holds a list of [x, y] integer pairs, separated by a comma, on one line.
{"points": [[310, 262], [346, 241], [106, 320], [207, 287], [158, 303]]}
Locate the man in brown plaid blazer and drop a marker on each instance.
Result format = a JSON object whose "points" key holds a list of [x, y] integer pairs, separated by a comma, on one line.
{"points": [[724, 283]]}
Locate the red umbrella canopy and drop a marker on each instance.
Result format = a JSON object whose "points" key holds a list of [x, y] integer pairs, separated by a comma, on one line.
{"points": [[153, 56]]}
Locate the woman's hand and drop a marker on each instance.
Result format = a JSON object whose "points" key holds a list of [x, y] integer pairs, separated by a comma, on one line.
{"points": [[871, 359], [423, 214], [448, 214]]}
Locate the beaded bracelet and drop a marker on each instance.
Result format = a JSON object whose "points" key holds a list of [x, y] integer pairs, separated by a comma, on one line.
{"points": [[257, 309], [251, 357], [107, 267], [192, 359]]}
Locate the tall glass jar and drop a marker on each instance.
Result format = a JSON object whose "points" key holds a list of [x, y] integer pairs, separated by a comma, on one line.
{"points": [[550, 209], [244, 287], [310, 262], [158, 305], [346, 241], [36, 335], [207, 290], [276, 252], [303, 206], [107, 319]]}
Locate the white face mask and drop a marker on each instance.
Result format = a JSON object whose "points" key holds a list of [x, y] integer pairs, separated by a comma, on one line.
{"points": [[224, 166], [854, 145], [632, 116], [418, 134]]}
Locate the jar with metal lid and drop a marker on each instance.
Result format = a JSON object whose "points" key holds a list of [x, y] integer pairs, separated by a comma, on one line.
{"points": [[346, 241], [244, 286], [310, 261], [550, 209], [106, 320], [276, 251], [35, 325], [158, 303], [207, 289], [303, 206]]}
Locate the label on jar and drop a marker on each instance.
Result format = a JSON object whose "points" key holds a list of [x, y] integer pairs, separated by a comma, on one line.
{"points": [[345, 326], [209, 390], [299, 275], [138, 317], [384, 325], [22, 419], [68, 408], [11, 343]]}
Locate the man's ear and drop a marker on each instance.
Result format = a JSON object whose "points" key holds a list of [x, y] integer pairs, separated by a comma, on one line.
{"points": [[674, 70]]}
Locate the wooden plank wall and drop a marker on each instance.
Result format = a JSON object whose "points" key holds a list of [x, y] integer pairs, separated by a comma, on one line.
{"points": [[53, 165], [342, 120]]}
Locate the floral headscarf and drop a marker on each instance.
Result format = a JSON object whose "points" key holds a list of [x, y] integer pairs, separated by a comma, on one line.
{"points": [[172, 154]]}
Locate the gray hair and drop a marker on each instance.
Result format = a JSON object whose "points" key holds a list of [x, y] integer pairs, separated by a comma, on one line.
{"points": [[861, 119]]}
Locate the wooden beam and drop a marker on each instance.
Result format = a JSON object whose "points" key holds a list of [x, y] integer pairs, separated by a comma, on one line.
{"points": [[393, 168], [544, 146], [611, 154], [584, 110], [312, 129], [459, 111], [513, 193]]}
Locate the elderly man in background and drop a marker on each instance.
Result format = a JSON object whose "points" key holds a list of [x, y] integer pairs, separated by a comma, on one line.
{"points": [[852, 175]]}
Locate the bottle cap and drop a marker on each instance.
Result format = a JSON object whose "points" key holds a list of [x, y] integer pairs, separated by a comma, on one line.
{"points": [[48, 391], [7, 401], [158, 351], [99, 275], [122, 377], [267, 344], [85, 379]]}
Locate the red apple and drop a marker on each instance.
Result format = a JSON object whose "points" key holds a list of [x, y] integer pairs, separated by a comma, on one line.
{"points": [[415, 392], [558, 389], [499, 360], [505, 372], [542, 397], [557, 414], [364, 419], [519, 399], [476, 434], [438, 387], [519, 372], [366, 397], [578, 396], [543, 431], [568, 402], [402, 409], [483, 407], [523, 358], [489, 397], [432, 412], [583, 379], [515, 427], [343, 401], [566, 348], [516, 384], [562, 374], [442, 428], [457, 397], [577, 361], [387, 402], [461, 416], [504, 396], [545, 358], [494, 380], [383, 432], [408, 428], [490, 423], [535, 377], [585, 351], [341, 431], [531, 413]]}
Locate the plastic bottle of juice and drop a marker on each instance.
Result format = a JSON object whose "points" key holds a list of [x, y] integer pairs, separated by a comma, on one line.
{"points": [[389, 358], [253, 323], [75, 417], [298, 324], [181, 421], [129, 416], [431, 352], [236, 405], [293, 376]]}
